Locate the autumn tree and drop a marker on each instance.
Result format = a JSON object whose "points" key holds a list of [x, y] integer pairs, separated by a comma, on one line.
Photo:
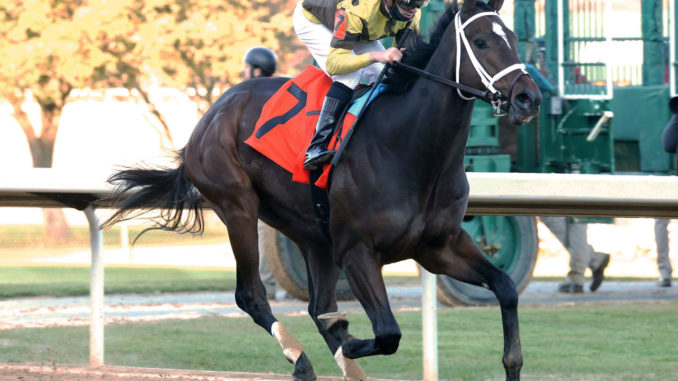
{"points": [[211, 37], [198, 45], [53, 46], [50, 47]]}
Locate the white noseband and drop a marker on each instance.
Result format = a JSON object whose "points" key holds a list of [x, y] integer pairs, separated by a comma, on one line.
{"points": [[487, 79]]}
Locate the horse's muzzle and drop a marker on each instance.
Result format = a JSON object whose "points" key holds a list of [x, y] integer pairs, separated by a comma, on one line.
{"points": [[525, 106]]}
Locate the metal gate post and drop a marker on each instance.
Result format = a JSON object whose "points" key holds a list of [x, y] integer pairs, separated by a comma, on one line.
{"points": [[429, 324], [673, 61], [653, 45], [96, 291]]}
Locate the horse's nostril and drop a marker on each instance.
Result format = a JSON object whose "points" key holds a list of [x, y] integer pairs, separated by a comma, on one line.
{"points": [[525, 105], [524, 100]]}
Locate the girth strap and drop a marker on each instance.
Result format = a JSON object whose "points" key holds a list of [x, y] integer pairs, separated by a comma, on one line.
{"points": [[321, 204]]}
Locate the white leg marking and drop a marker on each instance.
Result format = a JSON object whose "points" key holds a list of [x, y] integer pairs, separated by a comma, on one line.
{"points": [[349, 367], [497, 28], [291, 347]]}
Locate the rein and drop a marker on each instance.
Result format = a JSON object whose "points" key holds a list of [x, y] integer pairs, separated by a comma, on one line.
{"points": [[492, 96], [486, 95]]}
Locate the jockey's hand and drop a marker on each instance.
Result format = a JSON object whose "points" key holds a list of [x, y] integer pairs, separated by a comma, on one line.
{"points": [[387, 56]]}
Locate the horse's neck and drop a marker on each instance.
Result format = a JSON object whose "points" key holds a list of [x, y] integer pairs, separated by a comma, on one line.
{"points": [[447, 115]]}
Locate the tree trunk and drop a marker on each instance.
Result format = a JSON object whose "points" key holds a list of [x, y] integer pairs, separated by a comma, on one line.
{"points": [[56, 228], [42, 150]]}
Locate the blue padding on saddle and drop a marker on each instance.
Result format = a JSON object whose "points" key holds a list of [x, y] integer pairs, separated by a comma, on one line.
{"points": [[360, 102]]}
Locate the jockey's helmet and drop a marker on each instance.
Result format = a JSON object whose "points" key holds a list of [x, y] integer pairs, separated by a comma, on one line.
{"points": [[263, 58]]}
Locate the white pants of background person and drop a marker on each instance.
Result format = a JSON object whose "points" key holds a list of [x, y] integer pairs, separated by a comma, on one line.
{"points": [[317, 39], [573, 237], [661, 236], [265, 273]]}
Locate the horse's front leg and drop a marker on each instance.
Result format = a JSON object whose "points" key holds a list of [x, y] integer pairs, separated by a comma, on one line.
{"points": [[323, 274], [363, 272], [464, 261]]}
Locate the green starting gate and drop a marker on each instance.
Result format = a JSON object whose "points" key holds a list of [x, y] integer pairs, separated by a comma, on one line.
{"points": [[609, 63], [612, 66], [605, 113]]}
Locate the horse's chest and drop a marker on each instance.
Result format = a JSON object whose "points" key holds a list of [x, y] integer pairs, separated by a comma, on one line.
{"points": [[439, 229], [426, 231], [443, 220]]}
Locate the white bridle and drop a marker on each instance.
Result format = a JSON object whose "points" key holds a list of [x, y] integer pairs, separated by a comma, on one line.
{"points": [[487, 79]]}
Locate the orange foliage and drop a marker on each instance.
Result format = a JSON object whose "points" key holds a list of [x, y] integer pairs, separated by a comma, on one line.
{"points": [[52, 46]]}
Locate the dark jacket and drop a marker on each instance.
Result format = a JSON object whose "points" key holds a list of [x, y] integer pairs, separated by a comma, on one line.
{"points": [[670, 136], [324, 10]]}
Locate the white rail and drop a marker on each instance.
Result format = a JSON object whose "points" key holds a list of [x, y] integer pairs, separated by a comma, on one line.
{"points": [[491, 194]]}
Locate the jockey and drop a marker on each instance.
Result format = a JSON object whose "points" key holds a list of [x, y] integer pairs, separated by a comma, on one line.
{"points": [[259, 62], [342, 36]]}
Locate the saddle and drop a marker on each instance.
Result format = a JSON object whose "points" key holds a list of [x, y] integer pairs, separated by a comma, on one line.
{"points": [[287, 123]]}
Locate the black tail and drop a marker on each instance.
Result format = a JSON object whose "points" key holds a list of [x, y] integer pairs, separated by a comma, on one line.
{"points": [[140, 191]]}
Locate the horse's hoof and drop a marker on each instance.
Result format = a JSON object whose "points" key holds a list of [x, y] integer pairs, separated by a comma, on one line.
{"points": [[357, 348], [303, 370]]}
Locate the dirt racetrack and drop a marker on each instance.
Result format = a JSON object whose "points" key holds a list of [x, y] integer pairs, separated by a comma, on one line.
{"points": [[113, 373]]}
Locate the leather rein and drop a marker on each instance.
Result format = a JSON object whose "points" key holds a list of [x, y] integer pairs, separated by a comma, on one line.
{"points": [[492, 96]]}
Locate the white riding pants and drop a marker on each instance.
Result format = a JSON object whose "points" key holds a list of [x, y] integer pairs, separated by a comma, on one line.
{"points": [[317, 39]]}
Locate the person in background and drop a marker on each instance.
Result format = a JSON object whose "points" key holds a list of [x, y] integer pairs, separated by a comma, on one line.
{"points": [[661, 237], [661, 233], [572, 235], [261, 62]]}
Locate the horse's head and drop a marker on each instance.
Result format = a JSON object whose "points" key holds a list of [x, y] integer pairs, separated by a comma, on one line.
{"points": [[487, 58]]}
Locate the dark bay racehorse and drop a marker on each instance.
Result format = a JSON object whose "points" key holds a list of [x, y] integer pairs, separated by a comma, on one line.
{"points": [[400, 190]]}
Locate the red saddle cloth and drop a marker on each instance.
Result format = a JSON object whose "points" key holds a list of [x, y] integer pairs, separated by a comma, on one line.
{"points": [[287, 123]]}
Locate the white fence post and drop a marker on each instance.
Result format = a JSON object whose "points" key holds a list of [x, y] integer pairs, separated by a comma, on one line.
{"points": [[429, 324], [96, 291]]}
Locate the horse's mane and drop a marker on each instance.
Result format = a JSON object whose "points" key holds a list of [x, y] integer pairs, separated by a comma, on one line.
{"points": [[419, 51]]}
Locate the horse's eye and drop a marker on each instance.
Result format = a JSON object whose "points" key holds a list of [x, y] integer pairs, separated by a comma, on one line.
{"points": [[480, 44]]}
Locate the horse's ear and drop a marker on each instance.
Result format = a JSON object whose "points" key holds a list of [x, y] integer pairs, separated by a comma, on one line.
{"points": [[495, 4], [468, 5]]}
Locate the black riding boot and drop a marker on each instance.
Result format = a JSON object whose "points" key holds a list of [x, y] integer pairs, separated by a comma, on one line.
{"points": [[334, 103]]}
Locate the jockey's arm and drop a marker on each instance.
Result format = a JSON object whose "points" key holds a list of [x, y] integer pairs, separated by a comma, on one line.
{"points": [[350, 29], [343, 61]]}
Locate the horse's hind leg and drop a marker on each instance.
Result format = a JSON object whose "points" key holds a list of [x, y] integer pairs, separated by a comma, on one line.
{"points": [[332, 325], [250, 293], [464, 261]]}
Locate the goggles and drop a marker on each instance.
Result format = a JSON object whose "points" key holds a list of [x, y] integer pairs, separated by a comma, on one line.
{"points": [[411, 4]]}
